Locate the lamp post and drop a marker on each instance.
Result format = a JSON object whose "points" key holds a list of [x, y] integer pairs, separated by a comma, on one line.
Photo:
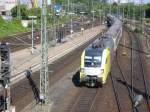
{"points": [[100, 12], [93, 18], [100, 16], [68, 6], [82, 28], [71, 13], [32, 17]]}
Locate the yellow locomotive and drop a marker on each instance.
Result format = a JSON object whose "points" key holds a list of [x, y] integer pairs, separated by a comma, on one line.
{"points": [[96, 59]]}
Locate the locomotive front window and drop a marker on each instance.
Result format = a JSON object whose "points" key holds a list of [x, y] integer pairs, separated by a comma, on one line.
{"points": [[93, 62]]}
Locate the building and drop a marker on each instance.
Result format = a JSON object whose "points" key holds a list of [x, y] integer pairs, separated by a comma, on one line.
{"points": [[31, 3], [6, 6]]}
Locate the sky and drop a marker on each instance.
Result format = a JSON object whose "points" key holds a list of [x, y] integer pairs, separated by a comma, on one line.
{"points": [[122, 1], [137, 1], [40, 1]]}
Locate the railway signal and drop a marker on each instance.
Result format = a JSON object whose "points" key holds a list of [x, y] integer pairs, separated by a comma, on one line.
{"points": [[5, 74]]}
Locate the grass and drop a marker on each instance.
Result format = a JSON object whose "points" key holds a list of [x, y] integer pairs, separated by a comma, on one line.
{"points": [[8, 28], [11, 27], [147, 20]]}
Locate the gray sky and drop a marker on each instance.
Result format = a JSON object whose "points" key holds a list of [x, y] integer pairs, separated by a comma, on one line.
{"points": [[25, 1], [124, 1]]}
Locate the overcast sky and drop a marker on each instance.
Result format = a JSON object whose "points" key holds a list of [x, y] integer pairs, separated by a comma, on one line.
{"points": [[123, 1]]}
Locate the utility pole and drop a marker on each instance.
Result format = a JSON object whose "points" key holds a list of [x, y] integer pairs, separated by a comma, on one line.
{"points": [[118, 8], [128, 13], [110, 6], [142, 16], [71, 31], [71, 13], [134, 14], [93, 18], [93, 12], [44, 78], [100, 12], [103, 11], [18, 10], [68, 6]]}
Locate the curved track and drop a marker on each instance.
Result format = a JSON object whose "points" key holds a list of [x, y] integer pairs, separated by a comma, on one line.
{"points": [[122, 92], [132, 78], [139, 70], [147, 31]]}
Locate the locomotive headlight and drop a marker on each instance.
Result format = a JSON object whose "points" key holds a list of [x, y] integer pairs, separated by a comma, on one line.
{"points": [[102, 71], [82, 70]]}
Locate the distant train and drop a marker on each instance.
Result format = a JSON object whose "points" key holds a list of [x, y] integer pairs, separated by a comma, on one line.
{"points": [[110, 20], [97, 58]]}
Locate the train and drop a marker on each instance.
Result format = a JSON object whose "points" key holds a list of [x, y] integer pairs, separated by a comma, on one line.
{"points": [[97, 58]]}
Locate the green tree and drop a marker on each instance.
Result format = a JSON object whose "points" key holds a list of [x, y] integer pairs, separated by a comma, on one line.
{"points": [[147, 10], [35, 12], [23, 11], [60, 1]]}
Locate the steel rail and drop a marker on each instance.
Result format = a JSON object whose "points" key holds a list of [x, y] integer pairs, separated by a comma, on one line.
{"points": [[116, 94], [131, 35], [135, 109], [143, 73]]}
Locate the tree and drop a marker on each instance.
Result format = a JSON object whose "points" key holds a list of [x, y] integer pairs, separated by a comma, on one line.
{"points": [[23, 11], [35, 12], [60, 1], [147, 10]]}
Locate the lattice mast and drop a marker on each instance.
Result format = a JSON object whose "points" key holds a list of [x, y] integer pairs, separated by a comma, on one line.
{"points": [[44, 79]]}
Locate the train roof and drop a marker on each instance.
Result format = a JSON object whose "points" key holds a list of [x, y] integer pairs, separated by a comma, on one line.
{"points": [[93, 51], [114, 28], [105, 41]]}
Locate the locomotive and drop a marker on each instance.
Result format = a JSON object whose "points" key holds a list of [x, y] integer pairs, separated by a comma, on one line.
{"points": [[97, 58]]}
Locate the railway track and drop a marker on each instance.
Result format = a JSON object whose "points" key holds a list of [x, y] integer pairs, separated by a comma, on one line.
{"points": [[94, 100], [141, 74], [147, 31], [66, 64], [85, 100], [133, 79], [120, 82], [23, 41]]}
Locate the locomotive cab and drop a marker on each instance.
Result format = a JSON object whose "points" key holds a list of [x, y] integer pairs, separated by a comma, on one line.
{"points": [[95, 66]]}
